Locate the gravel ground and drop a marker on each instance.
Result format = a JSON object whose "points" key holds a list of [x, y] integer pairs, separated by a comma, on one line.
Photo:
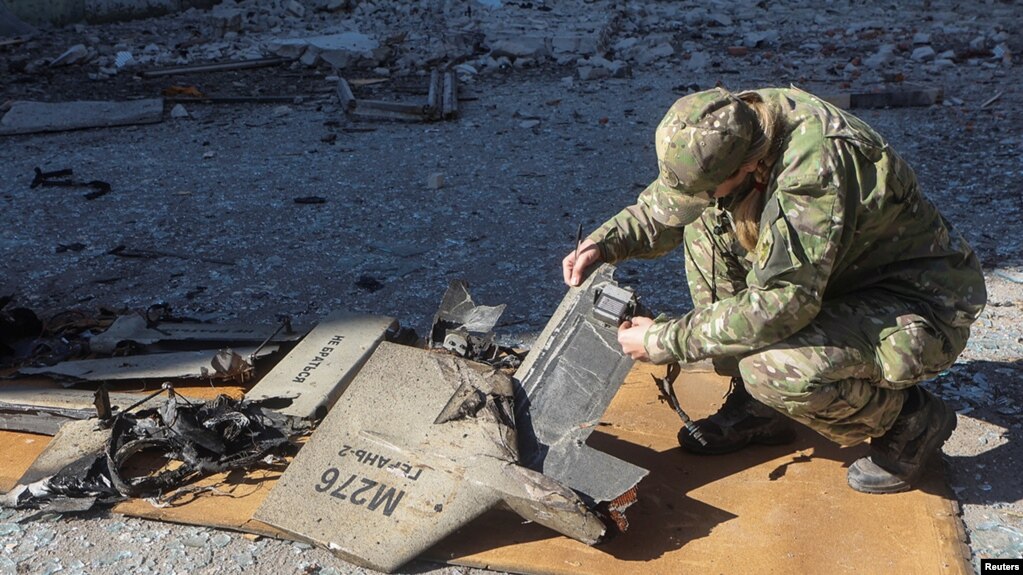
{"points": [[536, 152]]}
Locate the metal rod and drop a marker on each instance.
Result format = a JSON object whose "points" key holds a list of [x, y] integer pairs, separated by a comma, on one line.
{"points": [[345, 95], [238, 99], [434, 95], [368, 105], [284, 322], [450, 94], [215, 67]]}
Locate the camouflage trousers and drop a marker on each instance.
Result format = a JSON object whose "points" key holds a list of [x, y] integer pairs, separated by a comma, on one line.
{"points": [[846, 374]]}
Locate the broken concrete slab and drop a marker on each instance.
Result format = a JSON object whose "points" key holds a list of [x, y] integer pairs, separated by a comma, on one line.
{"points": [[136, 329], [420, 444], [180, 365], [314, 374], [338, 50], [562, 390], [27, 117]]}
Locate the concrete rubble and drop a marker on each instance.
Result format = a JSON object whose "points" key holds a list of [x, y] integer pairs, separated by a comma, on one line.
{"points": [[603, 40]]}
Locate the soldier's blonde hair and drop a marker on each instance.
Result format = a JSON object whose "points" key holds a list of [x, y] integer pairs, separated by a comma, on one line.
{"points": [[764, 152]]}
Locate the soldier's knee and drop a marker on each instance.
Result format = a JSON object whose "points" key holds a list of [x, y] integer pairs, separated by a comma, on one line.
{"points": [[912, 351], [774, 380]]}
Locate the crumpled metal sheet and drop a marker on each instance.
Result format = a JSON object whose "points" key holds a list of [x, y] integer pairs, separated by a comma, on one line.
{"points": [[201, 438], [563, 389], [467, 330], [457, 311]]}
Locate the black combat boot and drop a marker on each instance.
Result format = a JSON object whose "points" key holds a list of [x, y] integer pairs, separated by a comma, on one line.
{"points": [[740, 421], [898, 457]]}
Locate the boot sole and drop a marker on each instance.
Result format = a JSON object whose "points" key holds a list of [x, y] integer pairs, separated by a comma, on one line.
{"points": [[948, 426]]}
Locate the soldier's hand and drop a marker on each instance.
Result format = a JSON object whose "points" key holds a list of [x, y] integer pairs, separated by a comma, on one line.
{"points": [[574, 270], [630, 337]]}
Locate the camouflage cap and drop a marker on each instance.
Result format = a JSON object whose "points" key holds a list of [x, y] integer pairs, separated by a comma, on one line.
{"points": [[701, 142]]}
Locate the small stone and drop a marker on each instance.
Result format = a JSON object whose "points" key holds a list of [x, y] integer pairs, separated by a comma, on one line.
{"points": [[921, 38], [1002, 52], [720, 19], [885, 55], [311, 56], [280, 111], [737, 50], [520, 48], [923, 54], [224, 20], [435, 181], [179, 112], [72, 55], [754, 39], [659, 51], [122, 59], [381, 71], [244, 559], [698, 60], [296, 9], [529, 124], [620, 69], [587, 73]]}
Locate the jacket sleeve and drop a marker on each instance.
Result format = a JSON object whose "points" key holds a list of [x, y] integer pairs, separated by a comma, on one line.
{"points": [[635, 233], [800, 231]]}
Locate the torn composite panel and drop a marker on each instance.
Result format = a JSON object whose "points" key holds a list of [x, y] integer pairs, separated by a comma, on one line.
{"points": [[179, 365], [45, 410], [563, 389], [312, 376], [135, 329], [419, 445]]}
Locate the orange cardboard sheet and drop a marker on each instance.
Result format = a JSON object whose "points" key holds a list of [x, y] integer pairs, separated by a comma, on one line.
{"points": [[783, 509], [17, 453]]}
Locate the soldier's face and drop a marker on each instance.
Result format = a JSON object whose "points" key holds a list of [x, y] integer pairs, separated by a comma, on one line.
{"points": [[735, 180]]}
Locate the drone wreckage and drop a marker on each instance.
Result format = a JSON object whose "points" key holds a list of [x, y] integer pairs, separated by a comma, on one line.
{"points": [[407, 444]]}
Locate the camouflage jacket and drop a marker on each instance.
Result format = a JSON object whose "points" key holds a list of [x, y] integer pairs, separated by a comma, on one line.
{"points": [[843, 214]]}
